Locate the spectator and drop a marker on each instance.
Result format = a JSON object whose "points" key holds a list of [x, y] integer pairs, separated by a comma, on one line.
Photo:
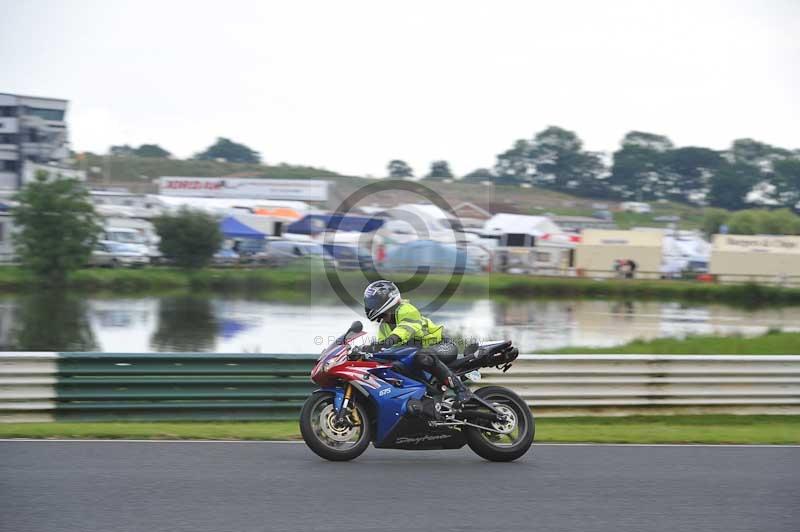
{"points": [[631, 271]]}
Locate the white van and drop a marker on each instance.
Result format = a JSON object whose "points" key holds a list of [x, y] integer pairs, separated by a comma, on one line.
{"points": [[132, 238]]}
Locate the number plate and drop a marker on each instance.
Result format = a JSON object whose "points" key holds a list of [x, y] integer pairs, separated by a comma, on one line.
{"points": [[473, 375]]}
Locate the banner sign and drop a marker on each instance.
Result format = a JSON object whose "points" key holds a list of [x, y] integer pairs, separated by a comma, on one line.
{"points": [[225, 187], [757, 244]]}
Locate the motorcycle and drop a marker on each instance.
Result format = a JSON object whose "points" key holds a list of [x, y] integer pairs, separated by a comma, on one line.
{"points": [[385, 400]]}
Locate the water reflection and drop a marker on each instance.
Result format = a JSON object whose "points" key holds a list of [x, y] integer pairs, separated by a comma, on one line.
{"points": [[196, 322], [185, 323], [46, 321]]}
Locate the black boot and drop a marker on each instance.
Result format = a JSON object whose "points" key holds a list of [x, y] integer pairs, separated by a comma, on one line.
{"points": [[463, 394]]}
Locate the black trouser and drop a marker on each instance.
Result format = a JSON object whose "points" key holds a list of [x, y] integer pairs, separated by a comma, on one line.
{"points": [[428, 359]]}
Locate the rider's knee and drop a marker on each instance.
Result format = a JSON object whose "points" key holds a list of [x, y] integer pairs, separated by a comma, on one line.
{"points": [[425, 360]]}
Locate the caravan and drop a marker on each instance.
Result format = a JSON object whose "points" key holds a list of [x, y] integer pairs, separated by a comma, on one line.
{"points": [[529, 244]]}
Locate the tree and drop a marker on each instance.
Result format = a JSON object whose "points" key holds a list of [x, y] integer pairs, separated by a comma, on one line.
{"points": [[640, 167], [786, 180], [123, 150], [152, 150], [689, 172], [189, 237], [650, 141], [478, 175], [399, 169], [755, 153], [58, 227], [229, 151], [554, 158], [730, 186], [560, 162], [439, 170], [515, 165]]}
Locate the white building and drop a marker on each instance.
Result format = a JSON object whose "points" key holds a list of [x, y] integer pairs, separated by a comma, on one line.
{"points": [[33, 131], [286, 210], [519, 227], [636, 206]]}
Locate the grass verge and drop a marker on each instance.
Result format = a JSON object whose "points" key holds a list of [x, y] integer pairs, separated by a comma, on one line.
{"points": [[714, 429], [308, 278], [771, 343]]}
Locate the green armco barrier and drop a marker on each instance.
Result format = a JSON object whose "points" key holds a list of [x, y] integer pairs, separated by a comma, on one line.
{"points": [[48, 386], [180, 386], [177, 410], [183, 364]]}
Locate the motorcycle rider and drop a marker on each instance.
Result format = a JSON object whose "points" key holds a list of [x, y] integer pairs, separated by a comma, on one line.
{"points": [[401, 323]]}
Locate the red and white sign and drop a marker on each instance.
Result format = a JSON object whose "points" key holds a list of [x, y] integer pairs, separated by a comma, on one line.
{"points": [[224, 187], [562, 238]]}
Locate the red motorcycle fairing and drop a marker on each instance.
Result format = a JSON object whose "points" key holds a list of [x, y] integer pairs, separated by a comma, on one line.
{"points": [[331, 357], [358, 373]]}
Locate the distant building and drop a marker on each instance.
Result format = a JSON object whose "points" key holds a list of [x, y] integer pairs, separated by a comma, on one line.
{"points": [[7, 252], [600, 249], [33, 137], [757, 258], [528, 244]]}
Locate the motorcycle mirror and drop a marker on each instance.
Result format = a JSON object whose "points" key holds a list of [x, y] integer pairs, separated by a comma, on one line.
{"points": [[355, 327]]}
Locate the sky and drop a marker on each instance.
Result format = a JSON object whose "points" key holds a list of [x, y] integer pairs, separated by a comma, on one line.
{"points": [[349, 85]]}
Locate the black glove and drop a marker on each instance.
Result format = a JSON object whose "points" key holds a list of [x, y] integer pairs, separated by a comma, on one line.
{"points": [[366, 351], [371, 348], [391, 340], [363, 352]]}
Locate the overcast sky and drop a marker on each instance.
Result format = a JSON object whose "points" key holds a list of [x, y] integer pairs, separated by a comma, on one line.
{"points": [[349, 85]]}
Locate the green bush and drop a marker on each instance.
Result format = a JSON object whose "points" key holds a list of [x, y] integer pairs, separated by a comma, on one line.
{"points": [[190, 237], [752, 222]]}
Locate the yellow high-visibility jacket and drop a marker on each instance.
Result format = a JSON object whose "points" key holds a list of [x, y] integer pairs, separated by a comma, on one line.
{"points": [[411, 327]]}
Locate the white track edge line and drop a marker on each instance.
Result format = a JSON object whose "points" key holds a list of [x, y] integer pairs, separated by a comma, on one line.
{"points": [[588, 444]]}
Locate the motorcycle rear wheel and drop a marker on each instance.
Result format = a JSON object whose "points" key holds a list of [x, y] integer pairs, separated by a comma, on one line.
{"points": [[331, 441], [503, 447]]}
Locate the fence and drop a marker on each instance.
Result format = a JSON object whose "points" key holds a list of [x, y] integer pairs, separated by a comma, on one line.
{"points": [[197, 386], [784, 281]]}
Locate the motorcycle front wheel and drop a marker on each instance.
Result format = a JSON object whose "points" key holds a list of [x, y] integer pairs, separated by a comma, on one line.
{"points": [[328, 438], [510, 438]]}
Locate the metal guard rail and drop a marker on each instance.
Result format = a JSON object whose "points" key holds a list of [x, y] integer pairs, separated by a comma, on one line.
{"points": [[208, 386]]}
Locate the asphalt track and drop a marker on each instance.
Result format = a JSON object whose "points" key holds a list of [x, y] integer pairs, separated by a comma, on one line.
{"points": [[253, 486]]}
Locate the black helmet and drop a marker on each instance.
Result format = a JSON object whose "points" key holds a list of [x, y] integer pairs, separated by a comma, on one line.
{"points": [[379, 297]]}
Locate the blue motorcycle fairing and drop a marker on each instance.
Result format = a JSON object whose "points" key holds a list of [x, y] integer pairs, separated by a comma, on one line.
{"points": [[391, 402], [402, 354]]}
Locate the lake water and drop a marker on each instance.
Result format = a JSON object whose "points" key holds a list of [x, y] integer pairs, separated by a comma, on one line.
{"points": [[46, 322]]}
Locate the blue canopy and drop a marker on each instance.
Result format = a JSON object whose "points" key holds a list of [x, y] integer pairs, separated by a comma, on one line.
{"points": [[233, 228], [317, 223]]}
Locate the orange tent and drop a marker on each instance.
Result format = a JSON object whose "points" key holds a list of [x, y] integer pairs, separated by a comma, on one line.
{"points": [[277, 212]]}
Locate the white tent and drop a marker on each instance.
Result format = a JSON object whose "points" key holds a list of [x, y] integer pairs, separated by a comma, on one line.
{"points": [[504, 223], [412, 221]]}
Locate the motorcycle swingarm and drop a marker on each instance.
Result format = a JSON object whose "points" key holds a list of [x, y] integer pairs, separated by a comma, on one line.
{"points": [[485, 403], [478, 415]]}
